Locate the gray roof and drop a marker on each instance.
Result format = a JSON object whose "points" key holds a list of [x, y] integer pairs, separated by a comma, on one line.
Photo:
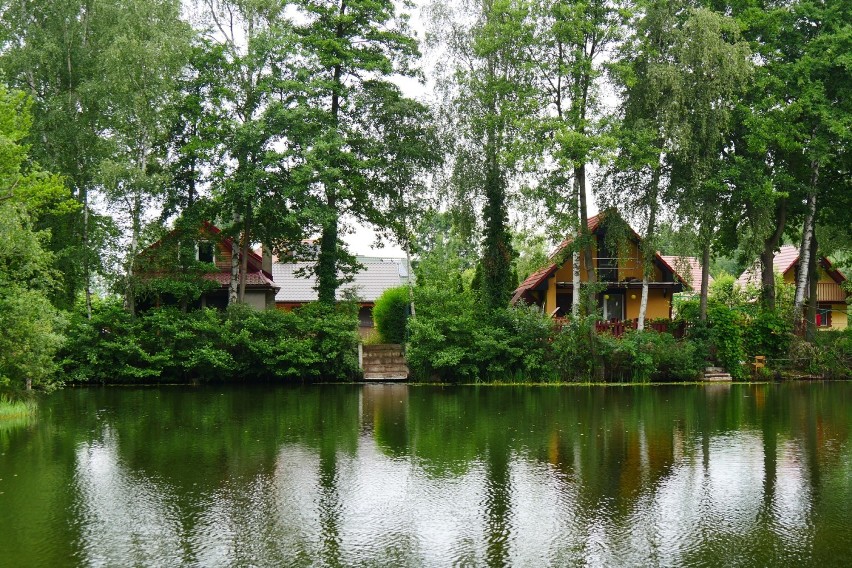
{"points": [[378, 275]]}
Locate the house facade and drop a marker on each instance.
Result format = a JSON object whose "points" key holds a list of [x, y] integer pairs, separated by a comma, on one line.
{"points": [[832, 309], [618, 268], [208, 245]]}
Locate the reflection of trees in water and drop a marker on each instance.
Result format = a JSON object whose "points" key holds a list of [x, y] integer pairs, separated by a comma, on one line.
{"points": [[605, 456]]}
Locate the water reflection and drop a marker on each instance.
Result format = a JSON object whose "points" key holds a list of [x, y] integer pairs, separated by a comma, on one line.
{"points": [[428, 476]]}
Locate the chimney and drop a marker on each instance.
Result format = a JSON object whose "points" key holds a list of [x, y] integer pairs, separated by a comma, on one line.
{"points": [[266, 255]]}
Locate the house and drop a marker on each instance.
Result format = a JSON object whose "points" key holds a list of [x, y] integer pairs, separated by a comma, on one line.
{"points": [[378, 275], [160, 261], [831, 298], [551, 287]]}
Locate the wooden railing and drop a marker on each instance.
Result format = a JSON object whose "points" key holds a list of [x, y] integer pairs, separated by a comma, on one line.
{"points": [[617, 328]]}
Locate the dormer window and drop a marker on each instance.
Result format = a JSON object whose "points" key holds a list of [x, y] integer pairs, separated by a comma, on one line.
{"points": [[205, 252]]}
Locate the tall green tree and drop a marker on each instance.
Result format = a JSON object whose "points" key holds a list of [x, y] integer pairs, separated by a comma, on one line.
{"points": [[488, 92], [31, 325], [714, 65], [250, 45], [649, 85], [353, 128], [50, 51], [572, 39], [148, 47]]}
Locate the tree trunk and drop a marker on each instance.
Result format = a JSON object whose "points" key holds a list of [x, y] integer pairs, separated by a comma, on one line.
{"points": [[585, 236], [136, 232], [805, 249], [648, 249], [813, 278], [233, 284], [86, 275], [705, 279], [327, 261], [767, 257], [496, 250], [244, 255], [575, 280]]}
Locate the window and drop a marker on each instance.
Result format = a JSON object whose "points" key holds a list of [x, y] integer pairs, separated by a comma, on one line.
{"points": [[613, 306], [205, 252], [823, 316], [607, 262]]}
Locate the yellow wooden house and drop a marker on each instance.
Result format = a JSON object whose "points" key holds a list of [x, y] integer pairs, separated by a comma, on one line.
{"points": [[832, 309], [618, 268]]}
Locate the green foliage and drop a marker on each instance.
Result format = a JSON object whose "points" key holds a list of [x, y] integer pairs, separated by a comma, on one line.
{"points": [[165, 345], [453, 339], [638, 356], [390, 314], [828, 356]]}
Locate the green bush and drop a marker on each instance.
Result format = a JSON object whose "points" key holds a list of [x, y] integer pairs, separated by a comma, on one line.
{"points": [[452, 339], [242, 344], [390, 314], [726, 335], [829, 356]]}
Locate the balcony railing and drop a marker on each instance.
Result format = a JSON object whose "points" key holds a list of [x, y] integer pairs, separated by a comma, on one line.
{"points": [[618, 328]]}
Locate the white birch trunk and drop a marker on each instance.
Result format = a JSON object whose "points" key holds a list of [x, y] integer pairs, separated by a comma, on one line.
{"points": [[805, 250]]}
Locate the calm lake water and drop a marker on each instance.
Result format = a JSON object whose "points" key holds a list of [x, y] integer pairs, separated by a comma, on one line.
{"points": [[392, 475]]}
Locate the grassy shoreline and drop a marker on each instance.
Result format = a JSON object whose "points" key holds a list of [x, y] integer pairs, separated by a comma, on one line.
{"points": [[16, 409]]}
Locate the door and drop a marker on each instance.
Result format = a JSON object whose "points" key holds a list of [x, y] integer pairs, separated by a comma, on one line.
{"points": [[613, 306]]}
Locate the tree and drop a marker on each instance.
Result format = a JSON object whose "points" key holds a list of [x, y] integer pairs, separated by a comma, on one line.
{"points": [[489, 97], [49, 50], [649, 85], [352, 127], [713, 65], [571, 41], [31, 325], [250, 45], [148, 47]]}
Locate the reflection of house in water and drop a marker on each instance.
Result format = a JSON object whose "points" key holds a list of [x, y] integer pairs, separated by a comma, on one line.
{"points": [[297, 285]]}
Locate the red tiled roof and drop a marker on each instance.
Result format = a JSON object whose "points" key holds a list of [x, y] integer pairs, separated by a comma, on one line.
{"points": [[783, 261], [254, 279], [690, 266]]}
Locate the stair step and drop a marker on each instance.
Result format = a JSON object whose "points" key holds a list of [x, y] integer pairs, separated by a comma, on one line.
{"points": [[385, 376], [714, 370], [383, 347], [385, 369]]}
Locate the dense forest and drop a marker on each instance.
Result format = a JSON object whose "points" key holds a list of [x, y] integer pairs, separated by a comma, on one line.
{"points": [[473, 133]]}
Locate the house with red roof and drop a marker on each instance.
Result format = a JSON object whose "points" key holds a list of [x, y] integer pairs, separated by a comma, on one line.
{"points": [[832, 307], [617, 267], [207, 245]]}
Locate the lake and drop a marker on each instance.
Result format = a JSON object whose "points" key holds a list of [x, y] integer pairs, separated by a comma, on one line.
{"points": [[397, 475]]}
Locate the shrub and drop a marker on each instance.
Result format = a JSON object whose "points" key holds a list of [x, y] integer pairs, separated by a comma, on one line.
{"points": [[726, 335], [452, 339], [166, 345], [391, 314]]}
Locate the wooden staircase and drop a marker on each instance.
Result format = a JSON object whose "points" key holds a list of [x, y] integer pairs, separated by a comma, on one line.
{"points": [[385, 362], [716, 374]]}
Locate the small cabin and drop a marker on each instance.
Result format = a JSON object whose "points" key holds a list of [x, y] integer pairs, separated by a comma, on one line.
{"points": [[831, 297], [618, 267]]}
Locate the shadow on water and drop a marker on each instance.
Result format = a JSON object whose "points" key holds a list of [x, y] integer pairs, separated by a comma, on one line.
{"points": [[390, 474]]}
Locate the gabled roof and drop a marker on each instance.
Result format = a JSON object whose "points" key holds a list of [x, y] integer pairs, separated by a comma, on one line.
{"points": [[535, 279], [255, 261], [256, 277], [785, 260], [689, 267], [378, 275]]}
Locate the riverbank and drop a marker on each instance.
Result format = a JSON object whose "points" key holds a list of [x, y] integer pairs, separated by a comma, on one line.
{"points": [[16, 409]]}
